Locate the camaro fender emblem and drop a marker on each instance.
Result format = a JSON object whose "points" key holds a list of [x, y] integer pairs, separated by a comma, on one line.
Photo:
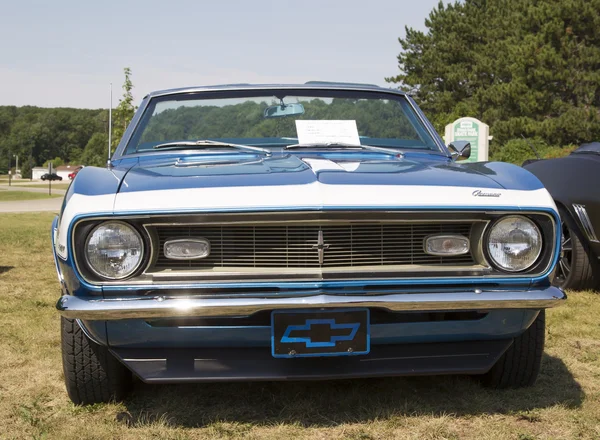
{"points": [[480, 193], [320, 246], [350, 332]]}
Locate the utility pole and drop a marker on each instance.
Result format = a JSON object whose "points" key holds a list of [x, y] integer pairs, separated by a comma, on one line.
{"points": [[109, 126], [31, 160]]}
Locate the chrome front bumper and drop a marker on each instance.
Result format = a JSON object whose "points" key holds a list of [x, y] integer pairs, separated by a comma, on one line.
{"points": [[170, 307]]}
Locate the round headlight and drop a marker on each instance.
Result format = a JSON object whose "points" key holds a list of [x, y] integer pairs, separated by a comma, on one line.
{"points": [[514, 243], [114, 250]]}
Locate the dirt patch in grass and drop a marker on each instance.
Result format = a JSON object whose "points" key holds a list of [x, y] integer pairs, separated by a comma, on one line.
{"points": [[13, 196], [564, 404]]}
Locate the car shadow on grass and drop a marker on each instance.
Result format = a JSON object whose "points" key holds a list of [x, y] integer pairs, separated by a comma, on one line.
{"points": [[4, 269], [329, 403]]}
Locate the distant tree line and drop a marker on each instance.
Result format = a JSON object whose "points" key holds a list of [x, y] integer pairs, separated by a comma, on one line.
{"points": [[47, 133], [525, 67], [62, 135]]}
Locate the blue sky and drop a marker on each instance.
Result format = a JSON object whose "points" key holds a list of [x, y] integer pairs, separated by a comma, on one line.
{"points": [[65, 52]]}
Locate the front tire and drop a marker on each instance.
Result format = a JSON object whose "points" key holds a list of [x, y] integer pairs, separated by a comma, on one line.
{"points": [[574, 269], [92, 373], [520, 364]]}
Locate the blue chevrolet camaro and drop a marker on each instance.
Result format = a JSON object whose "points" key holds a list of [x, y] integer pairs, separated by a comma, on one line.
{"points": [[284, 232]]}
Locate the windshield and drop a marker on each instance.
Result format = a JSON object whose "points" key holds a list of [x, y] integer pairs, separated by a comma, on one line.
{"points": [[268, 119]]}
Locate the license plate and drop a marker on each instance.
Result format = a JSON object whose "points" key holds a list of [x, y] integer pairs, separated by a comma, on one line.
{"points": [[343, 332]]}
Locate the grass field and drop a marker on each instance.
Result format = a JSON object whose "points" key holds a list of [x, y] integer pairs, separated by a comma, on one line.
{"points": [[12, 196], [565, 403], [55, 185]]}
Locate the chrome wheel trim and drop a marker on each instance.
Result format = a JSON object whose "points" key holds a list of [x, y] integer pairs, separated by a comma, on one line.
{"points": [[563, 268]]}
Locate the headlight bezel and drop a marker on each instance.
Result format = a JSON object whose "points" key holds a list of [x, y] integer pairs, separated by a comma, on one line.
{"points": [[87, 256], [540, 258], [81, 237]]}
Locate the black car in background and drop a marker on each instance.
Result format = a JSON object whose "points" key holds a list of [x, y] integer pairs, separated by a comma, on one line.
{"points": [[51, 176], [574, 183]]}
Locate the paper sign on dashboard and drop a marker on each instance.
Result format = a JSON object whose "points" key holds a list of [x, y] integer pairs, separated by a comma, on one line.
{"points": [[323, 132]]}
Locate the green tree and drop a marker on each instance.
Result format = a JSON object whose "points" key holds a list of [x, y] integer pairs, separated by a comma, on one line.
{"points": [[94, 153], [525, 67], [26, 170], [124, 111], [56, 162], [39, 134]]}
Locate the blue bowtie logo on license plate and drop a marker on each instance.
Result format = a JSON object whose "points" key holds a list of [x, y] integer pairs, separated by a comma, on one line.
{"points": [[336, 332], [342, 332]]}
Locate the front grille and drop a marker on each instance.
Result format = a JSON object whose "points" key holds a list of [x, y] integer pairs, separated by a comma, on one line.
{"points": [[297, 245]]}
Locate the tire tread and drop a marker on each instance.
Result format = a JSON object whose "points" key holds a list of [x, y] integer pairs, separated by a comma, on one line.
{"points": [[519, 366], [582, 275], [92, 374]]}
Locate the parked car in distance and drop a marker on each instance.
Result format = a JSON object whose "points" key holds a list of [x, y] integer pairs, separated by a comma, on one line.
{"points": [[574, 183], [74, 173], [51, 176], [311, 231]]}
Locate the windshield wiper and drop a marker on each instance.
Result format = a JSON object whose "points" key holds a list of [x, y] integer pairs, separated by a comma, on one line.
{"points": [[208, 143], [344, 145]]}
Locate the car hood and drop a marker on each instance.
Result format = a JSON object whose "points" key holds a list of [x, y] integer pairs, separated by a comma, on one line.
{"points": [[249, 170], [303, 180]]}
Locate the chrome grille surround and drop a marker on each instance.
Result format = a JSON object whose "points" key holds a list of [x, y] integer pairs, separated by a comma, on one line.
{"points": [[213, 278]]}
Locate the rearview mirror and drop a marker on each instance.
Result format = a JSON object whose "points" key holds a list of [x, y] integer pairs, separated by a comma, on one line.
{"points": [[460, 150], [282, 110]]}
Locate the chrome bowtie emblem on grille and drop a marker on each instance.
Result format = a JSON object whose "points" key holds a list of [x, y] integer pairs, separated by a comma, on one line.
{"points": [[320, 246]]}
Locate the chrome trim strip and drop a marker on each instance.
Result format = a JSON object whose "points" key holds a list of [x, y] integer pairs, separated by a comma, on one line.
{"points": [[302, 221], [170, 307], [365, 273], [259, 87], [584, 219], [398, 214], [222, 163], [54, 253]]}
